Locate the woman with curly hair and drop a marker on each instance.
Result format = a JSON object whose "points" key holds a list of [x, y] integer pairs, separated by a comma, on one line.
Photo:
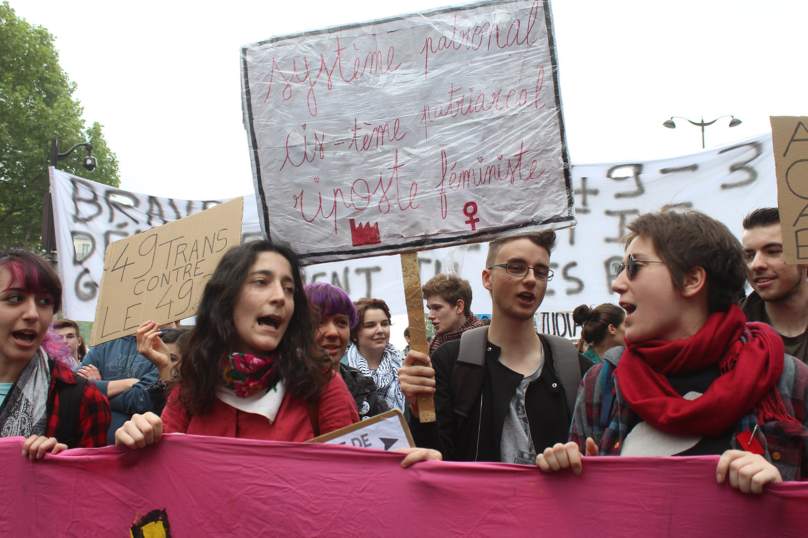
{"points": [[248, 368]]}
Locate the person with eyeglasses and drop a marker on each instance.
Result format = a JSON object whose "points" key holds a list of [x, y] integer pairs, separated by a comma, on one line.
{"points": [[502, 392], [695, 378]]}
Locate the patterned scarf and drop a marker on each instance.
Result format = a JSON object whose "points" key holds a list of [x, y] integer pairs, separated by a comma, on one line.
{"points": [[749, 356], [472, 322], [24, 411], [385, 376], [247, 375]]}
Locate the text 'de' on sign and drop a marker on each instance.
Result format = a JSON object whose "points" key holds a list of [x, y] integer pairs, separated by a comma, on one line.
{"points": [[159, 274]]}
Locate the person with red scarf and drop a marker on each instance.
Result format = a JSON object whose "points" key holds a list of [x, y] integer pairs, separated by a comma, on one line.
{"points": [[694, 378]]}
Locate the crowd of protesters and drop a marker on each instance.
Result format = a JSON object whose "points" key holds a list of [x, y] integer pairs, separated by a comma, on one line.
{"points": [[683, 366]]}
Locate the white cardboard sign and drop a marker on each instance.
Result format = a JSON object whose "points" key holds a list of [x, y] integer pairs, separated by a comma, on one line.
{"points": [[387, 431]]}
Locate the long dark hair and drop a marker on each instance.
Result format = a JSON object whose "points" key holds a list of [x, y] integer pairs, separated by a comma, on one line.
{"points": [[206, 347]]}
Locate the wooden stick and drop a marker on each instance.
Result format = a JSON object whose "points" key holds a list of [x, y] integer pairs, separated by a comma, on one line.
{"points": [[415, 313]]}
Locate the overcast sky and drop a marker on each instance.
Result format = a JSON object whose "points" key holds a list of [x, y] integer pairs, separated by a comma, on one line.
{"points": [[163, 76]]}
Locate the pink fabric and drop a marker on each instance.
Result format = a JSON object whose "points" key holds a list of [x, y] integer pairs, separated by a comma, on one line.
{"points": [[337, 410], [214, 486]]}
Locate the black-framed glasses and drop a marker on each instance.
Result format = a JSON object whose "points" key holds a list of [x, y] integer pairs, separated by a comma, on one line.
{"points": [[632, 266], [521, 270]]}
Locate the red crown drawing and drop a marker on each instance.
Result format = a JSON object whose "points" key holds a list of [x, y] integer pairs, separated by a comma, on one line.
{"points": [[364, 234]]}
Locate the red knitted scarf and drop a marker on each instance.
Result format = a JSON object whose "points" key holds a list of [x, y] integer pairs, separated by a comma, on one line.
{"points": [[750, 368]]}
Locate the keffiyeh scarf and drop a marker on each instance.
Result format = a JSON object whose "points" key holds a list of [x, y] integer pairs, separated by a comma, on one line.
{"points": [[24, 411], [385, 376]]}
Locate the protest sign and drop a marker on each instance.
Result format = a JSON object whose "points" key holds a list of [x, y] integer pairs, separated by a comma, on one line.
{"points": [[188, 485], [386, 431], [159, 274], [790, 143], [89, 216], [418, 131]]}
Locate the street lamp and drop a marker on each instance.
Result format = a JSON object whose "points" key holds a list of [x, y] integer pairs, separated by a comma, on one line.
{"points": [[48, 229], [734, 122], [89, 161]]}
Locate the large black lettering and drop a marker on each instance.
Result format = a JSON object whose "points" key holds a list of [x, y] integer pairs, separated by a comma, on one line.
{"points": [[569, 278], [636, 170], [77, 199], [751, 173], [368, 272]]}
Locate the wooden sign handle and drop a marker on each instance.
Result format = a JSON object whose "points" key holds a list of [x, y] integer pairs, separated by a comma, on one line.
{"points": [[415, 313]]}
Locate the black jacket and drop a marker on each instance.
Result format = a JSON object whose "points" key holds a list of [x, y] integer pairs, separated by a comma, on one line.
{"points": [[475, 439], [363, 390]]}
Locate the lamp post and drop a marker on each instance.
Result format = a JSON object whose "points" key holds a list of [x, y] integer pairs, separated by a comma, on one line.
{"points": [[48, 243], [734, 122]]}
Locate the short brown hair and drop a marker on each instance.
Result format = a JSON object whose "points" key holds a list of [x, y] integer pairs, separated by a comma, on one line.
{"points": [[544, 239], [764, 216], [692, 239], [65, 323], [362, 306], [451, 289]]}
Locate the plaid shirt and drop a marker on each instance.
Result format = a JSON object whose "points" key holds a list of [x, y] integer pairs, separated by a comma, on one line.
{"points": [[472, 322], [94, 414], [783, 443]]}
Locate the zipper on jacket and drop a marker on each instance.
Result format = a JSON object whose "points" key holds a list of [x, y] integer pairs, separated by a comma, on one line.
{"points": [[479, 425]]}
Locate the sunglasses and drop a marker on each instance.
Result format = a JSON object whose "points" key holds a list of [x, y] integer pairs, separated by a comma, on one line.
{"points": [[632, 266]]}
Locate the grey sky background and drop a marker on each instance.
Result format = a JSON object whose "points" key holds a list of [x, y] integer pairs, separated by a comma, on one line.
{"points": [[163, 76]]}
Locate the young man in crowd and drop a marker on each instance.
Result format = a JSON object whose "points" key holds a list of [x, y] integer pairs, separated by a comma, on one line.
{"points": [[70, 333], [448, 299], [502, 392], [695, 378], [124, 376], [781, 291]]}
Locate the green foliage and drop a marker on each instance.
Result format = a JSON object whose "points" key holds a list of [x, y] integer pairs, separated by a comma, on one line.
{"points": [[37, 105]]}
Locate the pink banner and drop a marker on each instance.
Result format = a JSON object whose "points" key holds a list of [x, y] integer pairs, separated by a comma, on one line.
{"points": [[207, 486]]}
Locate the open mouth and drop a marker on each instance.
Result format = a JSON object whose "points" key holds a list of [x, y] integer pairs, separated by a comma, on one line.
{"points": [[271, 322], [25, 337], [526, 296], [763, 279], [628, 307]]}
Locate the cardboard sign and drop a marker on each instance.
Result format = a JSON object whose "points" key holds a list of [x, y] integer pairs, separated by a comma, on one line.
{"points": [[89, 215], [414, 132], [386, 431], [790, 141], [159, 274]]}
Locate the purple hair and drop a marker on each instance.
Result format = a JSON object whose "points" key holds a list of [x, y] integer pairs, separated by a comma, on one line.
{"points": [[330, 300], [32, 273]]}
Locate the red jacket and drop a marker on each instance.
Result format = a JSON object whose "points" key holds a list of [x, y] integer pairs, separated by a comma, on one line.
{"points": [[337, 409]]}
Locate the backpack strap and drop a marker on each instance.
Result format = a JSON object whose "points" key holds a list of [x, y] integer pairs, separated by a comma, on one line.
{"points": [[607, 383], [567, 367], [69, 410], [469, 370]]}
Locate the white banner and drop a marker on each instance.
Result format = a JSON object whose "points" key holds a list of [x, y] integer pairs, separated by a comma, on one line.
{"points": [[88, 216], [431, 129], [726, 183]]}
